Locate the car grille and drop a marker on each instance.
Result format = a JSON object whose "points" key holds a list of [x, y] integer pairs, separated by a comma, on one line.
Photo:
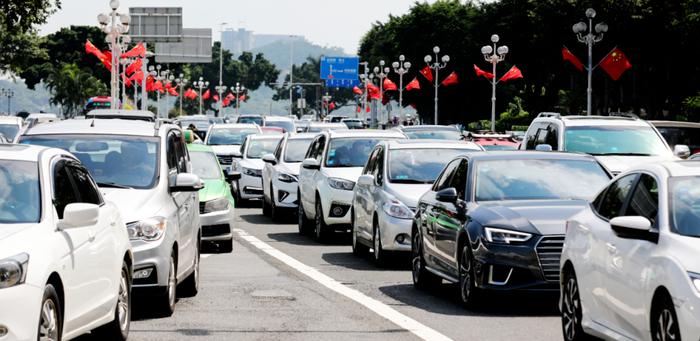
{"points": [[225, 159], [549, 254]]}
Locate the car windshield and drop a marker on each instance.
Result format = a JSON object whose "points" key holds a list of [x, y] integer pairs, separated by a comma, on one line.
{"points": [[124, 161], [288, 126], [680, 135], [201, 125], [685, 205], [350, 152], [9, 131], [538, 179], [296, 150], [20, 201], [258, 148], [434, 134], [251, 119], [229, 136], [205, 165], [614, 140], [420, 166]]}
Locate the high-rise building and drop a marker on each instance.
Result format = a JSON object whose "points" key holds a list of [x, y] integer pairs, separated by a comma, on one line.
{"points": [[237, 40]]}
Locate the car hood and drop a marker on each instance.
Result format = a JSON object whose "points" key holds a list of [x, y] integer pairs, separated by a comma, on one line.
{"points": [[409, 194], [346, 173], [135, 204], [544, 217], [213, 188], [290, 168], [15, 237], [226, 149], [253, 163], [619, 163]]}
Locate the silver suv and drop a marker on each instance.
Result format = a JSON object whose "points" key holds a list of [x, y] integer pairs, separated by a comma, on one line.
{"points": [[144, 168]]}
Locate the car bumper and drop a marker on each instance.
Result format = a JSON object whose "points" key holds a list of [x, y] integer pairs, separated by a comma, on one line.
{"points": [[218, 225], [286, 193], [152, 257], [19, 312], [336, 207], [395, 233], [250, 187]]}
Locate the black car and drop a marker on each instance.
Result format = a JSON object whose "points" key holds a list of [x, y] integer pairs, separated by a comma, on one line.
{"points": [[496, 220]]}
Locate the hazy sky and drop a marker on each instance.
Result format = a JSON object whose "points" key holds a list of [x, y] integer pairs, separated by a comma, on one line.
{"points": [[325, 22]]}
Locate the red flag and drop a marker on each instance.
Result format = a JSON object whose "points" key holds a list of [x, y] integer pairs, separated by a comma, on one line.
{"points": [[107, 59], [173, 91], [480, 72], [90, 48], [368, 109], [216, 98], [427, 72], [373, 91], [126, 80], [206, 95], [230, 96], [138, 51], [357, 91], [104, 57], [226, 101], [158, 86], [331, 106], [615, 63], [149, 84], [451, 79], [242, 98], [133, 67], [568, 56], [190, 94], [513, 73], [389, 85], [358, 109], [413, 85], [137, 77], [168, 85]]}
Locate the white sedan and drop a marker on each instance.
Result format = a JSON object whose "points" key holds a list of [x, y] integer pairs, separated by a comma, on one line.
{"points": [[65, 259], [630, 266]]}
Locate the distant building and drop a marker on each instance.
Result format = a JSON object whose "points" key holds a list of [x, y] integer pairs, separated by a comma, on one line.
{"points": [[241, 40]]}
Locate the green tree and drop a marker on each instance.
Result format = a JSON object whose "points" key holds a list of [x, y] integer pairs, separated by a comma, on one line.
{"points": [[18, 22], [71, 86]]}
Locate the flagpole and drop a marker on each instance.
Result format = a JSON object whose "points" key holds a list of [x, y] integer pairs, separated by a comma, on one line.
{"points": [[589, 39], [499, 54], [381, 72], [401, 67]]}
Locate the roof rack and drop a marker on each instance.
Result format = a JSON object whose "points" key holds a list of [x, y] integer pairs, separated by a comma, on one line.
{"points": [[549, 114], [623, 114]]}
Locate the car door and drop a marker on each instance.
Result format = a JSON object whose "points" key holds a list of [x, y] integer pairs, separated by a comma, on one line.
{"points": [[430, 213], [363, 199], [306, 178], [449, 220], [627, 271], [177, 164]]}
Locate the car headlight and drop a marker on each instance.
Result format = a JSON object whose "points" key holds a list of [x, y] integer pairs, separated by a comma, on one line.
{"points": [[219, 204], [341, 184], [287, 178], [148, 229], [494, 235], [397, 209], [695, 278], [13, 270], [252, 172]]}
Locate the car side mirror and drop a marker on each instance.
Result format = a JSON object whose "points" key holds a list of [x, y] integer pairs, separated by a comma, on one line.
{"points": [[185, 182], [231, 175], [269, 158], [366, 180], [447, 195], [79, 215], [682, 151], [311, 164], [634, 227]]}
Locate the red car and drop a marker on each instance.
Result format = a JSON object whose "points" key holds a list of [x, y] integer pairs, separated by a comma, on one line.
{"points": [[495, 141]]}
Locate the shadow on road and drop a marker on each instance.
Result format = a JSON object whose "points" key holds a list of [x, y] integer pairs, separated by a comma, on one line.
{"points": [[366, 263]]}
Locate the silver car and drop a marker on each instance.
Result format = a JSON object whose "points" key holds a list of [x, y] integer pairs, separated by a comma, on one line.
{"points": [[394, 178]]}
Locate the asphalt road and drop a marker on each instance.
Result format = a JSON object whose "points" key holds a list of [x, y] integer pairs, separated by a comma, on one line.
{"points": [[279, 285]]}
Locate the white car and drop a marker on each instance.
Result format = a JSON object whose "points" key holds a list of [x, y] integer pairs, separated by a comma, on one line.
{"points": [[630, 266], [280, 177], [328, 175], [145, 169], [284, 122], [226, 139], [10, 127], [65, 258], [249, 164], [396, 175]]}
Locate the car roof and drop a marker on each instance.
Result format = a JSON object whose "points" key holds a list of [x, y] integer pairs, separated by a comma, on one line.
{"points": [[21, 152], [426, 143], [675, 124], [199, 147], [302, 136], [345, 133], [675, 168], [234, 125], [135, 113], [278, 118], [581, 121], [528, 155], [95, 126]]}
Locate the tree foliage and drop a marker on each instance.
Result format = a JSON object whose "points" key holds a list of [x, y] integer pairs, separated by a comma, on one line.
{"points": [[71, 86], [18, 22]]}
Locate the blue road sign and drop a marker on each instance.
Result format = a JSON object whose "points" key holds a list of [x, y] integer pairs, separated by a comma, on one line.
{"points": [[342, 83], [339, 67]]}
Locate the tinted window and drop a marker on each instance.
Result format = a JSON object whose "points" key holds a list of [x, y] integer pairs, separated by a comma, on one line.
{"points": [[444, 180], [459, 179], [85, 185], [251, 119], [615, 196], [680, 135], [685, 205], [531, 138], [20, 201], [419, 165], [258, 148], [295, 150], [63, 190], [229, 136], [379, 167], [371, 163], [645, 199], [614, 140], [552, 137], [288, 126], [350, 152]]}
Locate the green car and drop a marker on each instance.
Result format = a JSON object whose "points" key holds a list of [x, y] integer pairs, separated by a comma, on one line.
{"points": [[216, 204]]}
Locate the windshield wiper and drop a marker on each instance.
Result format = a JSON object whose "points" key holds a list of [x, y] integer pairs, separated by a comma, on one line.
{"points": [[112, 185], [622, 154]]}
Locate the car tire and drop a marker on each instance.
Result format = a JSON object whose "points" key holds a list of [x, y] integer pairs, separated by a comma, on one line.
{"points": [[664, 321], [571, 311], [274, 210], [320, 229], [118, 329], [304, 223], [50, 318], [165, 303], [423, 279], [468, 291], [358, 249], [380, 256], [190, 286], [226, 246], [265, 206]]}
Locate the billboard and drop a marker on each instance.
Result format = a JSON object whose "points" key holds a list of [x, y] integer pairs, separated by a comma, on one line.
{"points": [[195, 47], [339, 67], [156, 24]]}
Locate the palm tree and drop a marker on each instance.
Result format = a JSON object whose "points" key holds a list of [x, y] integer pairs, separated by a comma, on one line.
{"points": [[71, 87]]}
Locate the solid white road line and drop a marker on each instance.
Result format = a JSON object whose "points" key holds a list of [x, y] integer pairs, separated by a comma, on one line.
{"points": [[379, 308]]}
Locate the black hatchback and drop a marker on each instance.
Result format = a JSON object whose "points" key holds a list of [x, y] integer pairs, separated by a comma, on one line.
{"points": [[496, 220]]}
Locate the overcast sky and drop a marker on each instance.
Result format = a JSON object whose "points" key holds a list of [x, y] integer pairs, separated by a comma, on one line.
{"points": [[324, 22]]}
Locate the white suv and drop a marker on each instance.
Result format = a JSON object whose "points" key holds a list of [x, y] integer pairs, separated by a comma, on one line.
{"points": [[226, 140], [328, 175], [630, 266], [65, 258], [618, 142], [280, 177], [144, 168], [249, 164]]}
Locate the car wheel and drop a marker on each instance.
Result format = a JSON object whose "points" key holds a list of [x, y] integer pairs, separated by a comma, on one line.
{"points": [[50, 319], [190, 286], [422, 278], [321, 228], [664, 322], [165, 304], [303, 221], [274, 211], [118, 329], [265, 206], [380, 255], [358, 249], [571, 311], [226, 246], [467, 287]]}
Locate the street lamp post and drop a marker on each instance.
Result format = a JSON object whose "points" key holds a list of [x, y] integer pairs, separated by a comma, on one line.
{"points": [[114, 28], [436, 66], [589, 39], [159, 76], [364, 77], [181, 82], [9, 94], [238, 89], [326, 100], [494, 55], [200, 85], [401, 68], [221, 88], [380, 72]]}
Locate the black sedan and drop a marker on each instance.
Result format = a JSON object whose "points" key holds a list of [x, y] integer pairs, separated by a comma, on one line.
{"points": [[496, 220]]}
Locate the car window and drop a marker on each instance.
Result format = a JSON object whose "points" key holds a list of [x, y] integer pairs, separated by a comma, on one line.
{"points": [[444, 180], [615, 196], [278, 150], [205, 165], [171, 152], [64, 192], [615, 140], [379, 167], [552, 138], [20, 199], [87, 190], [531, 139], [258, 148], [181, 152], [311, 151], [371, 162], [645, 199], [295, 150], [459, 179]]}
